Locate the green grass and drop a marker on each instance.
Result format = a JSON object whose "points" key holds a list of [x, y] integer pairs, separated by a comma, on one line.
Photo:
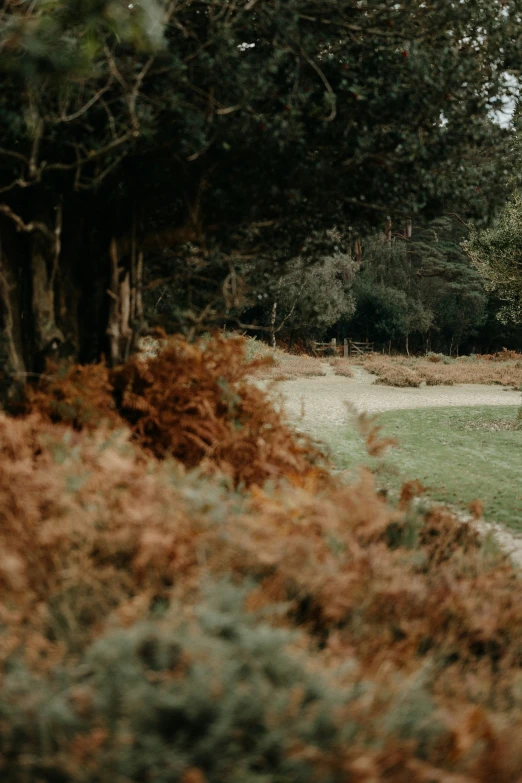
{"points": [[438, 446]]}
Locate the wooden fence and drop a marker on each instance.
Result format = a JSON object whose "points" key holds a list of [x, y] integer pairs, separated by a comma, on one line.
{"points": [[357, 349], [347, 348]]}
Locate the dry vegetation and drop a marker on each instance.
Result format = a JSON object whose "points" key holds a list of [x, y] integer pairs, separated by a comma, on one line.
{"points": [[504, 369], [266, 363], [193, 403], [292, 367], [161, 623], [281, 365], [342, 367]]}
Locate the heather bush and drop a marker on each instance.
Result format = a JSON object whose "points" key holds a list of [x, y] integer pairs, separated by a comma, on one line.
{"points": [[393, 374], [81, 396], [158, 622], [284, 366], [293, 367], [169, 614], [342, 367], [208, 695], [436, 369]]}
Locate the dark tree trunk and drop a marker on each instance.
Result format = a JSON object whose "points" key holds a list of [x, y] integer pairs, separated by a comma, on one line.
{"points": [[12, 283], [66, 290]]}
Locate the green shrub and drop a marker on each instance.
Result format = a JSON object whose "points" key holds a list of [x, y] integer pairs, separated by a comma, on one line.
{"points": [[218, 692]]}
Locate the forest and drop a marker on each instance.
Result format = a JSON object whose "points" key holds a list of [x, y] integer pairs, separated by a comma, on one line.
{"points": [[198, 585]]}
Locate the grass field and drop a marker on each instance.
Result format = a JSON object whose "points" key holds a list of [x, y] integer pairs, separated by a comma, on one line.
{"points": [[459, 455]]}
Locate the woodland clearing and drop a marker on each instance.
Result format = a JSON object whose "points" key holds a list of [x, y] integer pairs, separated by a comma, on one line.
{"points": [[460, 441]]}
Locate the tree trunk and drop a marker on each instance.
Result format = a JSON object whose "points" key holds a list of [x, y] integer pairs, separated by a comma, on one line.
{"points": [[407, 345], [13, 367], [273, 325], [65, 291]]}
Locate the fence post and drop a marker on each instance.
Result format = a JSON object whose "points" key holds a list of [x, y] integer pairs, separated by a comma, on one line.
{"points": [[334, 344], [345, 348]]}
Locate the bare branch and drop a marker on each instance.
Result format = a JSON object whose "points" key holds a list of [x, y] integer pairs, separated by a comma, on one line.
{"points": [[20, 183], [250, 327], [457, 217], [135, 92], [96, 97], [367, 205], [34, 170], [110, 117], [98, 179], [57, 244], [229, 109], [202, 151], [333, 114], [12, 154], [114, 68], [27, 228], [92, 155]]}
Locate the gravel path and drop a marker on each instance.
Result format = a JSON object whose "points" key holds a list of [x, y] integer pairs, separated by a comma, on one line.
{"points": [[323, 399]]}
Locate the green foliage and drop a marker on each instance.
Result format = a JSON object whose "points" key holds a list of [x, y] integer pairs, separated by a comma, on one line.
{"points": [[381, 312], [220, 692], [205, 134], [496, 253], [423, 288], [305, 298]]}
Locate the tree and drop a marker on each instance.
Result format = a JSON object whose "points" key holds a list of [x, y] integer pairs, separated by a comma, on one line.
{"points": [[496, 253], [303, 299], [381, 313], [447, 283], [132, 129], [442, 296]]}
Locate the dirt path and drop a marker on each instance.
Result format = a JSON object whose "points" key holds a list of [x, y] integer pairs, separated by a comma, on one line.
{"points": [[323, 399]]}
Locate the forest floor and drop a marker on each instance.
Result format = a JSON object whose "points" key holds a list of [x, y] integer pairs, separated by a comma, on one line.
{"points": [[459, 441]]}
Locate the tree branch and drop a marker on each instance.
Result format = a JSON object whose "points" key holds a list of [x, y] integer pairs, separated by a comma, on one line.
{"points": [[20, 183], [27, 228], [96, 97]]}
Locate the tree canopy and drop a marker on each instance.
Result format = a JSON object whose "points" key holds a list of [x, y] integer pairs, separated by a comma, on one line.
{"points": [[496, 253], [247, 128], [418, 287]]}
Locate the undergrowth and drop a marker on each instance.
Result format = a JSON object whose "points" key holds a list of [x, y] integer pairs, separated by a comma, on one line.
{"points": [[160, 623], [342, 367], [503, 369], [282, 365], [191, 402]]}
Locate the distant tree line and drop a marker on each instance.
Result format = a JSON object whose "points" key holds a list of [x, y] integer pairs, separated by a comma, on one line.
{"points": [[436, 285], [411, 289]]}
